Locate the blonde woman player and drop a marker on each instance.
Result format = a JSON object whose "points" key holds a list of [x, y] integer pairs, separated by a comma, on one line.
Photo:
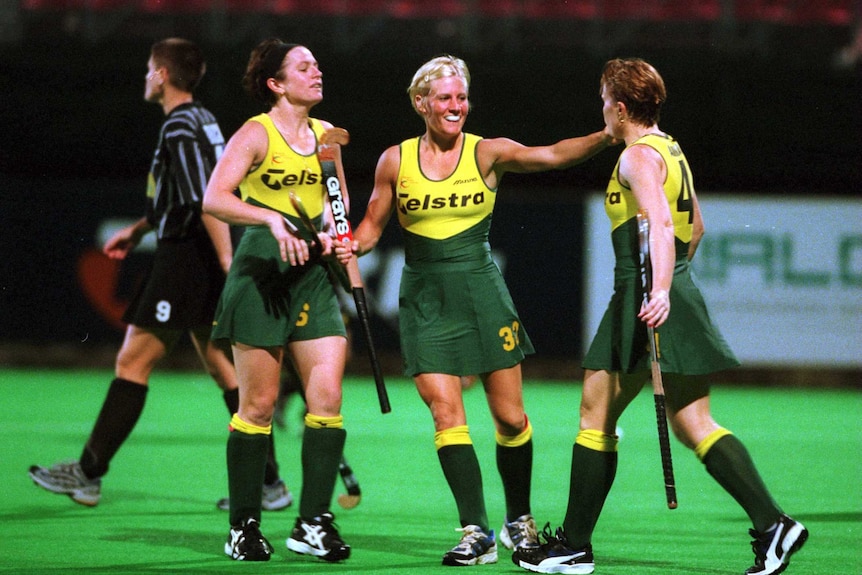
{"points": [[456, 316]]}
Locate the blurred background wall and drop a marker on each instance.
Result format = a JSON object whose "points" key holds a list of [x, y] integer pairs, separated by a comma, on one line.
{"points": [[763, 95]]}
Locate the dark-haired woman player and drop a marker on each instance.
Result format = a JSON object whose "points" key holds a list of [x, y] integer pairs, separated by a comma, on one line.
{"points": [[278, 295]]}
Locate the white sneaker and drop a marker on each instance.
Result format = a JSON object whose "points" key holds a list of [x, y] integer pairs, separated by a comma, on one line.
{"points": [[476, 548], [520, 533], [68, 478]]}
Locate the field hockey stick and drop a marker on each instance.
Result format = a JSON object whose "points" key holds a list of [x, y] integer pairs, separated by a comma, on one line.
{"points": [[347, 282], [655, 365], [334, 267], [350, 499], [344, 234]]}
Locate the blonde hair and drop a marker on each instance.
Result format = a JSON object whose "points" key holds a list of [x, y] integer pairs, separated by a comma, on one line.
{"points": [[434, 69]]}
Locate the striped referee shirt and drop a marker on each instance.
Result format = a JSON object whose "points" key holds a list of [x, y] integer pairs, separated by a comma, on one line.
{"points": [[190, 143]]}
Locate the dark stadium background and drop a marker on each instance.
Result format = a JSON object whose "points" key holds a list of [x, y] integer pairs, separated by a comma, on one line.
{"points": [[757, 97]]}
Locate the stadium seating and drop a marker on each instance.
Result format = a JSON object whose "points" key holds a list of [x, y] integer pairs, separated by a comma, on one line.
{"points": [[788, 12]]}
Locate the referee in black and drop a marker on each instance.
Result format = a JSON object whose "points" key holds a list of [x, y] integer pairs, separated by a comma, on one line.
{"points": [[192, 257]]}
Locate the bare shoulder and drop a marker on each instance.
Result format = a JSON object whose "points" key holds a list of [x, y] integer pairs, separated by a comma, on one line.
{"points": [[496, 146], [250, 140], [640, 156], [390, 158]]}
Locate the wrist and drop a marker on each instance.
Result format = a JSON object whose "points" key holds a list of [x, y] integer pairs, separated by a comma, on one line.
{"points": [[660, 294]]}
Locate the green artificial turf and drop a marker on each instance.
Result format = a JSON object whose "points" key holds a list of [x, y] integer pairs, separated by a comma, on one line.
{"points": [[158, 514]]}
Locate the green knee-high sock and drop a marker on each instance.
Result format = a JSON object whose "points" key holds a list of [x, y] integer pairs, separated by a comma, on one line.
{"points": [[462, 472], [271, 475], [321, 454], [119, 414], [591, 479], [729, 462], [246, 459], [515, 465]]}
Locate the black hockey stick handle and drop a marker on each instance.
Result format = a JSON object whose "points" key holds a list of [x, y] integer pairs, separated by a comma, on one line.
{"points": [[344, 234], [664, 445], [365, 325], [661, 420]]}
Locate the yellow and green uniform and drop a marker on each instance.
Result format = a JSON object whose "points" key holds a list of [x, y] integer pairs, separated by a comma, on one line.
{"points": [[456, 313], [267, 302], [689, 343]]}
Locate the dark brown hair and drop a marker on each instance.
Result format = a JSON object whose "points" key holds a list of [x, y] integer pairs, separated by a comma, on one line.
{"points": [[183, 59], [265, 63]]}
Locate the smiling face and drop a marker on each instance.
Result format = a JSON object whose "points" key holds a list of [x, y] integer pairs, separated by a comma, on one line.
{"points": [[446, 106], [301, 78]]}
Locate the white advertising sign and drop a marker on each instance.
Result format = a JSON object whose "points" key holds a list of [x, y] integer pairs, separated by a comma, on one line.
{"points": [[782, 277]]}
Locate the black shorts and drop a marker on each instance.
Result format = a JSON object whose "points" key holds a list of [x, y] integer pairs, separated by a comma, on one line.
{"points": [[182, 289]]}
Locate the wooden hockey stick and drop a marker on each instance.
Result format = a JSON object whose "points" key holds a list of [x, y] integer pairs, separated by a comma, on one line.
{"points": [[655, 365], [353, 496], [344, 233]]}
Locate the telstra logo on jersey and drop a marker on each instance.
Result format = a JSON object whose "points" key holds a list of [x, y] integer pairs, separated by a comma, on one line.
{"points": [[453, 200], [277, 179]]}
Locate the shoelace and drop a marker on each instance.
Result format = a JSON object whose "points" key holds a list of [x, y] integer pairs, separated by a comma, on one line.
{"points": [[251, 533], [69, 473], [525, 532], [759, 544], [548, 535], [470, 538]]}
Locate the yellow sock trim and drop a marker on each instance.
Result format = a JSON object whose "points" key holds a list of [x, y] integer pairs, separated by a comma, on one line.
{"points": [[516, 440], [320, 422], [597, 441], [245, 427], [704, 446], [459, 435]]}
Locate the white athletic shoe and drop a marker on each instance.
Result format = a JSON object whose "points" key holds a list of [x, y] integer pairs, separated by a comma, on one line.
{"points": [[476, 548], [68, 478], [520, 533]]}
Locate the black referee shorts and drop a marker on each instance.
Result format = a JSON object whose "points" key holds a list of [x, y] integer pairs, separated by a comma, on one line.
{"points": [[182, 289]]}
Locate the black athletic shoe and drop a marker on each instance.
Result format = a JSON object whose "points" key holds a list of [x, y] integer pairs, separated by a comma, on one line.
{"points": [[555, 555], [772, 550], [245, 543], [318, 537]]}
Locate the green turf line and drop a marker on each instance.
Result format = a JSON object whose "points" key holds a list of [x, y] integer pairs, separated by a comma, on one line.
{"points": [[158, 514]]}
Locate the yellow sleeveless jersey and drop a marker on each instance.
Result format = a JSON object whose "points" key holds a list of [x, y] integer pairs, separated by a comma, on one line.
{"points": [[284, 171], [621, 206], [441, 209]]}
